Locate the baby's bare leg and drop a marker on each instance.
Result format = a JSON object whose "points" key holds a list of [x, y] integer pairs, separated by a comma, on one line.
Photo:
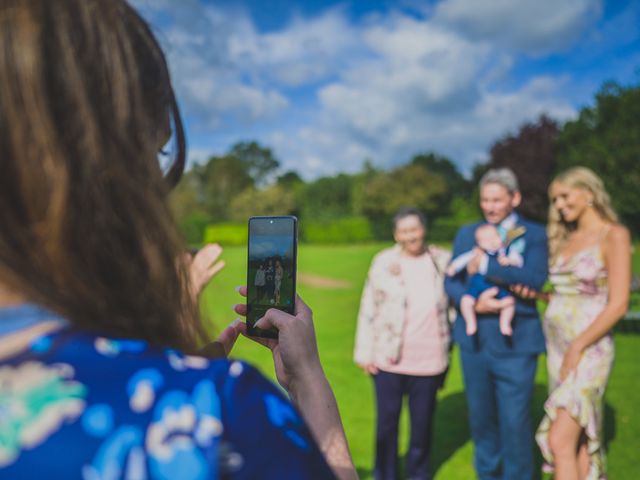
{"points": [[507, 313], [468, 310]]}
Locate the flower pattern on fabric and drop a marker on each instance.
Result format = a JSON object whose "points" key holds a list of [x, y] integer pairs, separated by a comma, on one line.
{"points": [[181, 362], [142, 389], [125, 410], [111, 348], [174, 445], [182, 431], [35, 400], [381, 317], [580, 294]]}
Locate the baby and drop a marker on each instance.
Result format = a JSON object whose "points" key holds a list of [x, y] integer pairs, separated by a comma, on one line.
{"points": [[487, 239]]}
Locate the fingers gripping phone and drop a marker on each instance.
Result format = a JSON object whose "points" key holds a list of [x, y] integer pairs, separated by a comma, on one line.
{"points": [[271, 269]]}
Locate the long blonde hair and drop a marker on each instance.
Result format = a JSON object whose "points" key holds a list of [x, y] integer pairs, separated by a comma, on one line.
{"points": [[585, 179]]}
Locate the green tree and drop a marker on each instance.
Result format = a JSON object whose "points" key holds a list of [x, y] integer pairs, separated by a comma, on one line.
{"points": [[273, 200], [443, 166], [606, 139], [189, 212], [259, 162], [218, 182], [359, 184], [327, 198], [289, 178], [531, 154], [409, 185]]}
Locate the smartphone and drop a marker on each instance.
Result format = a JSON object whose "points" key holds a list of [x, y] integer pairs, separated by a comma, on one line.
{"points": [[271, 269]]}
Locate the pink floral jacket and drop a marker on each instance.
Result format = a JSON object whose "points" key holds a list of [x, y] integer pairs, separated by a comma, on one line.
{"points": [[382, 317]]}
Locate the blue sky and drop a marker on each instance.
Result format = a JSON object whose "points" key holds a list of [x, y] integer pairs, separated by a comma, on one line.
{"points": [[329, 84], [265, 246]]}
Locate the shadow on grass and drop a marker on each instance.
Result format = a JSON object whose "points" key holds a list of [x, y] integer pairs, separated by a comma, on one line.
{"points": [[609, 425], [364, 472], [451, 430], [450, 433], [449, 436], [540, 394]]}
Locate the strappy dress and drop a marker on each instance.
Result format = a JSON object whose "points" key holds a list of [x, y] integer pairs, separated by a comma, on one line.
{"points": [[580, 294]]}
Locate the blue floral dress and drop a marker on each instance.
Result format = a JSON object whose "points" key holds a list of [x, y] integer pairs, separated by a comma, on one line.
{"points": [[80, 406]]}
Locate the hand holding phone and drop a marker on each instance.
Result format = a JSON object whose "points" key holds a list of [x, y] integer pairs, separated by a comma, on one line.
{"points": [[295, 351], [271, 269]]}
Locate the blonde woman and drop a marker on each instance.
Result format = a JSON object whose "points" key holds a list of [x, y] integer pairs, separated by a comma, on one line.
{"points": [[590, 270]]}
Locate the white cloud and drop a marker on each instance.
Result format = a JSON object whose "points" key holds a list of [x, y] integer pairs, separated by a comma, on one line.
{"points": [[210, 81], [418, 69], [536, 27], [327, 93], [426, 88], [308, 50], [465, 137]]}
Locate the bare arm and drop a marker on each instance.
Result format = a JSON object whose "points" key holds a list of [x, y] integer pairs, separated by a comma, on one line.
{"points": [[299, 371], [460, 262], [617, 255], [315, 400]]}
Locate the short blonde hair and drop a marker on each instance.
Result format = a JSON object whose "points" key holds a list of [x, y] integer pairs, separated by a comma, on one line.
{"points": [[584, 179]]}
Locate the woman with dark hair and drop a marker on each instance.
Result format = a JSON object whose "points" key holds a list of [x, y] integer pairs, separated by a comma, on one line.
{"points": [[402, 341], [99, 328]]}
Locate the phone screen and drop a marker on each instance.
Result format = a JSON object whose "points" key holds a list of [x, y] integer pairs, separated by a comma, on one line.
{"points": [[271, 269]]}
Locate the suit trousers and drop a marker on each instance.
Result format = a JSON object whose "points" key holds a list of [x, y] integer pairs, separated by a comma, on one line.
{"points": [[390, 388], [499, 389]]}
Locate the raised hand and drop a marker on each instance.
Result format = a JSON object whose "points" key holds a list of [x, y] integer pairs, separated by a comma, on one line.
{"points": [[203, 266]]}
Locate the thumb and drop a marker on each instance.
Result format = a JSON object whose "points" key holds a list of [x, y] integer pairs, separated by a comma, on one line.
{"points": [[273, 318]]}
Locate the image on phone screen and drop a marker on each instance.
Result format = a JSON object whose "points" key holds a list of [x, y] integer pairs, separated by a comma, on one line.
{"points": [[271, 272]]}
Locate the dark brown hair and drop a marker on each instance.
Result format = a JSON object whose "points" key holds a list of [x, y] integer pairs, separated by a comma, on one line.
{"points": [[85, 104]]}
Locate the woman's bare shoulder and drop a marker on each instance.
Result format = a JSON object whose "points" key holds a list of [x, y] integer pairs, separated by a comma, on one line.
{"points": [[617, 234]]}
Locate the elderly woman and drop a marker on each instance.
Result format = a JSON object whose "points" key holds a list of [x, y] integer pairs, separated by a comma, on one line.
{"points": [[402, 341]]}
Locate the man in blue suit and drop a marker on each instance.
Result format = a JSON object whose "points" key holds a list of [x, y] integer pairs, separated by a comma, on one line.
{"points": [[499, 370]]}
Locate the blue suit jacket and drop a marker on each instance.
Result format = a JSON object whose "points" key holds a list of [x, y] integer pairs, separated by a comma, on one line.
{"points": [[527, 335]]}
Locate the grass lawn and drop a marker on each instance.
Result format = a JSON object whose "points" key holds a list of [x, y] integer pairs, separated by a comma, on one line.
{"points": [[335, 311]]}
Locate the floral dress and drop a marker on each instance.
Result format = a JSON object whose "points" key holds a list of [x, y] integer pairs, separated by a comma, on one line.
{"points": [[580, 294], [75, 405]]}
